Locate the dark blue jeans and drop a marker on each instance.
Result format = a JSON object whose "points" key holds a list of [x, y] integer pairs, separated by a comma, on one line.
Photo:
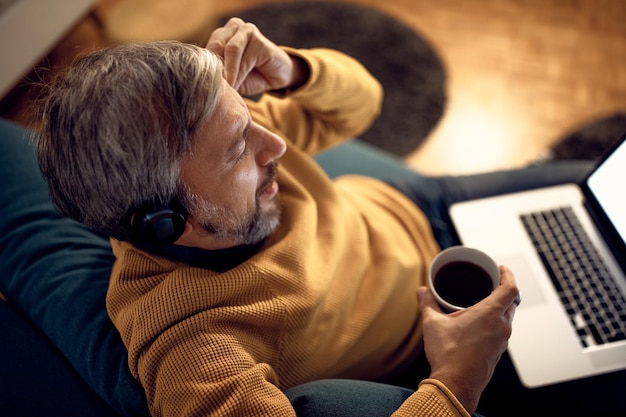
{"points": [[434, 195], [347, 398]]}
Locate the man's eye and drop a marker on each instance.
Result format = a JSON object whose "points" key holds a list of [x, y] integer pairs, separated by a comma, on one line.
{"points": [[244, 152]]}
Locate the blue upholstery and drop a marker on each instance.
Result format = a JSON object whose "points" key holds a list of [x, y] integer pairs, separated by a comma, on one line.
{"points": [[36, 379], [56, 274]]}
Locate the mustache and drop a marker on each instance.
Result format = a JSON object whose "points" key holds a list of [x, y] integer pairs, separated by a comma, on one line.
{"points": [[272, 171]]}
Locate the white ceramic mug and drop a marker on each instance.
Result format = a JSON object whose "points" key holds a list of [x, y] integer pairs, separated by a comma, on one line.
{"points": [[460, 276]]}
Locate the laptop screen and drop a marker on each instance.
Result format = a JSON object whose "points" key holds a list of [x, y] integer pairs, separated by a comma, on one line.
{"points": [[606, 184]]}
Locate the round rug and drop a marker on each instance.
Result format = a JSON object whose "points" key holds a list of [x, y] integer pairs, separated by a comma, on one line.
{"points": [[592, 140], [403, 61]]}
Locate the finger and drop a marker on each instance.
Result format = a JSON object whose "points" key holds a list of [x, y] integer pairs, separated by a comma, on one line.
{"points": [[230, 42], [507, 292], [507, 278], [232, 63], [427, 302], [509, 313], [511, 297], [216, 42], [510, 276], [220, 36], [254, 51], [239, 55], [242, 53]]}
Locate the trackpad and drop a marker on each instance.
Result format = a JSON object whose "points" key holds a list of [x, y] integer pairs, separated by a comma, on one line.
{"points": [[526, 280]]}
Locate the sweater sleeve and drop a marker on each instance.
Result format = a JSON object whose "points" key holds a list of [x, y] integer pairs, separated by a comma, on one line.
{"points": [[191, 370], [195, 355], [340, 100], [432, 399]]}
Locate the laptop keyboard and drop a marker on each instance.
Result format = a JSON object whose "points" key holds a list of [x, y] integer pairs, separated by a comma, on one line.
{"points": [[594, 303]]}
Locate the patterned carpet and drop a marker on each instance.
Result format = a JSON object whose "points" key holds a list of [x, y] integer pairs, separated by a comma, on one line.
{"points": [[592, 140]]}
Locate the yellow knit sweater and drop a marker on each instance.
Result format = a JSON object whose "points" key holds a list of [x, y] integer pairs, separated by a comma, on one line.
{"points": [[331, 293]]}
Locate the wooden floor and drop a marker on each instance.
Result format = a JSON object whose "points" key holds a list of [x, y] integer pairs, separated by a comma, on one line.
{"points": [[521, 73]]}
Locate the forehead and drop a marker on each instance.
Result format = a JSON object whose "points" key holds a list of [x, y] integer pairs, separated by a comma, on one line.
{"points": [[230, 105], [219, 131]]}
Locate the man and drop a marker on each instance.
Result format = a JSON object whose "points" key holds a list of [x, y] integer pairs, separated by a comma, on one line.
{"points": [[237, 278]]}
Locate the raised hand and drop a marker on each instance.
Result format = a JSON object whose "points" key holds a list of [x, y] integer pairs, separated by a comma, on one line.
{"points": [[253, 64]]}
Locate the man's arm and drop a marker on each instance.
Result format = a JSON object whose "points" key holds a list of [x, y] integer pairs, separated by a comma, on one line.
{"points": [[193, 370]]}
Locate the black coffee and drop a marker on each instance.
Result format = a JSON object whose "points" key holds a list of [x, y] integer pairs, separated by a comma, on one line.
{"points": [[462, 283]]}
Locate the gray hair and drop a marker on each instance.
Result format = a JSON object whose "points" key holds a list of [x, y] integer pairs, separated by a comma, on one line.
{"points": [[117, 124]]}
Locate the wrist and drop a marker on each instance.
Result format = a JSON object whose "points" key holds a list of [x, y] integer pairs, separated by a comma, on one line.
{"points": [[464, 391], [299, 76], [300, 73]]}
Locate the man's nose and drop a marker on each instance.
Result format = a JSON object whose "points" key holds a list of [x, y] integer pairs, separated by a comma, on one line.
{"points": [[271, 147]]}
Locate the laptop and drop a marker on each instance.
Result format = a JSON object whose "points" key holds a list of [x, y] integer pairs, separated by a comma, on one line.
{"points": [[571, 322]]}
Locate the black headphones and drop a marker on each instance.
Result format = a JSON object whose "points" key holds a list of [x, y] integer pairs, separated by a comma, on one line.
{"points": [[158, 224]]}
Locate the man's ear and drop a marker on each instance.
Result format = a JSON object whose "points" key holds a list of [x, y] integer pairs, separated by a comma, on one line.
{"points": [[185, 235]]}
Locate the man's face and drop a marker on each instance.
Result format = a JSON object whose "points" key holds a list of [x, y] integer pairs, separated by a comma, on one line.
{"points": [[231, 174]]}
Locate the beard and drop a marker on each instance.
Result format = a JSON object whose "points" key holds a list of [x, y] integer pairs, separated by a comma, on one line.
{"points": [[259, 226], [247, 229]]}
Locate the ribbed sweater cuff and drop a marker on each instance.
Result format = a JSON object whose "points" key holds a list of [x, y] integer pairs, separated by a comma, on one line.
{"points": [[445, 391]]}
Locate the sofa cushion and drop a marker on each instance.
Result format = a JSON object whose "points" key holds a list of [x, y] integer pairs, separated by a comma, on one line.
{"points": [[56, 272]]}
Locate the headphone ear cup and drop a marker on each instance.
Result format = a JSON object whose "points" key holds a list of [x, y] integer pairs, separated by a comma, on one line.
{"points": [[160, 226]]}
